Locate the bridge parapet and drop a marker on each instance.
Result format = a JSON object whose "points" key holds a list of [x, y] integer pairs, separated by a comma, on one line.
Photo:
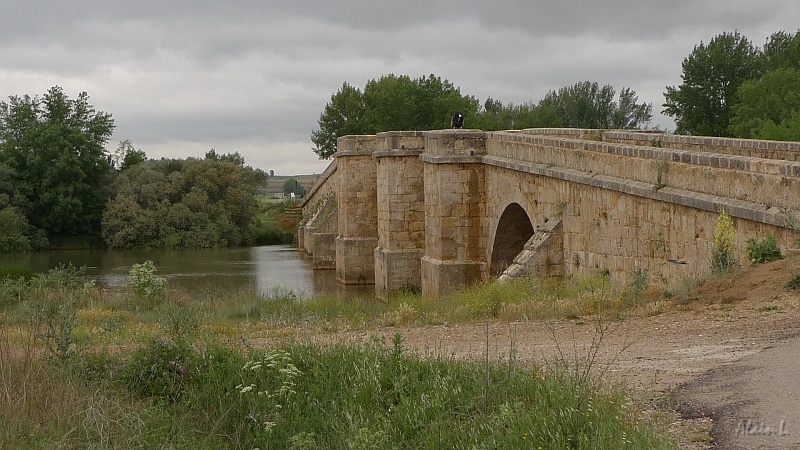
{"points": [[754, 181], [753, 148]]}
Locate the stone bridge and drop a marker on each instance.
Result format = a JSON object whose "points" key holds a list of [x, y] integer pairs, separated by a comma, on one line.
{"points": [[439, 210]]}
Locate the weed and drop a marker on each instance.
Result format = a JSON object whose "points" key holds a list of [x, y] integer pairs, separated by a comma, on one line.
{"points": [[637, 286], [791, 222], [161, 369], [661, 167], [14, 273], [794, 282], [55, 320], [178, 321], [766, 250], [722, 256]]}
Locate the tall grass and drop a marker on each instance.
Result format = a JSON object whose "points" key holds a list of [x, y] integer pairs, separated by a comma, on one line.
{"points": [[175, 371]]}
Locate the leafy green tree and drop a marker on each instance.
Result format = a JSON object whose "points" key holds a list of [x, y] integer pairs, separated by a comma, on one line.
{"points": [[782, 50], [589, 105], [342, 116], [390, 103], [712, 74], [497, 116], [193, 203], [54, 147], [293, 186], [582, 105], [769, 107], [127, 156], [16, 234]]}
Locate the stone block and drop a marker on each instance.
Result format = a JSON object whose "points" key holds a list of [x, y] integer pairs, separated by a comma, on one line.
{"points": [[396, 270], [324, 253], [443, 277], [355, 261]]}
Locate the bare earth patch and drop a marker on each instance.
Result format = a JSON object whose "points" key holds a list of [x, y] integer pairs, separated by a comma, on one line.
{"points": [[654, 350]]}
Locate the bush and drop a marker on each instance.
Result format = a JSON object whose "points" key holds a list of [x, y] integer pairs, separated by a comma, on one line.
{"points": [[144, 281], [766, 250], [161, 369], [271, 234], [637, 287], [794, 282], [15, 273], [55, 320]]}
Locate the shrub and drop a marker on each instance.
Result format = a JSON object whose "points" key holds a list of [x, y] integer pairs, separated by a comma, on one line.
{"points": [[637, 287], [794, 282], [144, 281], [55, 319], [266, 233], [15, 273], [766, 250], [178, 321], [161, 369]]}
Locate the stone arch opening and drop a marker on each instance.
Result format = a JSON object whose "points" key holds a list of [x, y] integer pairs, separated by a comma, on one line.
{"points": [[514, 229]]}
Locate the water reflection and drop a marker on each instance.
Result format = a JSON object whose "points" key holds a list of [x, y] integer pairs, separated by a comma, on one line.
{"points": [[267, 268]]}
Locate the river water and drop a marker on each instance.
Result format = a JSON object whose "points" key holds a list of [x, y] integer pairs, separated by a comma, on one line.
{"points": [[267, 269]]}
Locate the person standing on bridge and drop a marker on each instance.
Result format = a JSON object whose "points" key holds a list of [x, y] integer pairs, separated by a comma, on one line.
{"points": [[457, 121]]}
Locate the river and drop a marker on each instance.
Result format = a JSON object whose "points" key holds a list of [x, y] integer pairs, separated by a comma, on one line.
{"points": [[267, 269]]}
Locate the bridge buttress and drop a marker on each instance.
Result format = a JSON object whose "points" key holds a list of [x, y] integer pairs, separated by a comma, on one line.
{"points": [[455, 211], [401, 212], [357, 205]]}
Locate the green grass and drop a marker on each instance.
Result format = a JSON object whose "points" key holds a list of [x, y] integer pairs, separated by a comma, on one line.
{"points": [[174, 371]]}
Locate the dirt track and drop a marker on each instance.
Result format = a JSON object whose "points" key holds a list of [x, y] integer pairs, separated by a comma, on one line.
{"points": [[688, 356]]}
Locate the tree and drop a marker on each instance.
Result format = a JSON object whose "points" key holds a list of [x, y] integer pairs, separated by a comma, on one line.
{"points": [[293, 186], [769, 107], [55, 148], [389, 103], [343, 115], [782, 50], [589, 105], [702, 104], [192, 203], [127, 156]]}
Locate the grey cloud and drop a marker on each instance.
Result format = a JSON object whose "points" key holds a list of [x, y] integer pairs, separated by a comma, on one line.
{"points": [[183, 76]]}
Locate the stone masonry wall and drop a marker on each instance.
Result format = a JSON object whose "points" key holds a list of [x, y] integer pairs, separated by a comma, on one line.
{"points": [[648, 201], [616, 219], [751, 188]]}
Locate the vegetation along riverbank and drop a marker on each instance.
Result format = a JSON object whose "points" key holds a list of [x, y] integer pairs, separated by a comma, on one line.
{"points": [[148, 366]]}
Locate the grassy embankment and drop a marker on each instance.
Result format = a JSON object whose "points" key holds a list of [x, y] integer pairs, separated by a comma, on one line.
{"points": [[148, 367], [276, 222], [277, 219]]}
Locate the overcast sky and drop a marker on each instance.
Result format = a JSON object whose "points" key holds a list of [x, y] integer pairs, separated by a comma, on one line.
{"points": [[181, 77]]}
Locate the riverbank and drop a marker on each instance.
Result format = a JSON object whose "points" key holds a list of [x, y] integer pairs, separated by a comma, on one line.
{"points": [[151, 367]]}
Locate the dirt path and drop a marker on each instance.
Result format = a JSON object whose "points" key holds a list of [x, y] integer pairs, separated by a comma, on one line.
{"points": [[722, 352]]}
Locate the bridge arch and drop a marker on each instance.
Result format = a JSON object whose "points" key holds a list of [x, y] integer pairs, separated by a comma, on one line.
{"points": [[514, 229]]}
